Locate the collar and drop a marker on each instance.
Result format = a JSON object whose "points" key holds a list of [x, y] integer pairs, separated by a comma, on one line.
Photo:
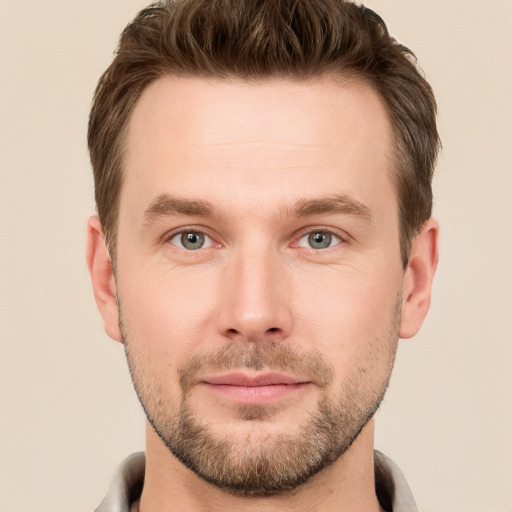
{"points": [[126, 486]]}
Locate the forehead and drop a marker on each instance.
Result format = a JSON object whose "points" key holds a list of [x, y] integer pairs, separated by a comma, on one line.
{"points": [[188, 131]]}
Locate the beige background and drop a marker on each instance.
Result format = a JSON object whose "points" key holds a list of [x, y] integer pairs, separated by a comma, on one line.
{"points": [[68, 414]]}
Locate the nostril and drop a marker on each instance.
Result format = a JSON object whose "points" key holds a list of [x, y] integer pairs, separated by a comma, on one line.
{"points": [[273, 329]]}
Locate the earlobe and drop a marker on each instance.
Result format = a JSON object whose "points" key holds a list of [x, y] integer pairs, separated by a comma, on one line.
{"points": [[102, 277], [417, 287]]}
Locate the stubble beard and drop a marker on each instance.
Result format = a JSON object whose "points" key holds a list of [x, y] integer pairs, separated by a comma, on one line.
{"points": [[276, 463]]}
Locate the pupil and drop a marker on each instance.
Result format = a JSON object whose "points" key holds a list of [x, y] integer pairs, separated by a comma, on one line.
{"points": [[192, 240], [320, 240]]}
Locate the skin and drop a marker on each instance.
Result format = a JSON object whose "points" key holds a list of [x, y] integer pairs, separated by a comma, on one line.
{"points": [[255, 153]]}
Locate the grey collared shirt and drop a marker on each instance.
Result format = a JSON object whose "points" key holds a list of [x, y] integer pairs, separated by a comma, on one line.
{"points": [[126, 486]]}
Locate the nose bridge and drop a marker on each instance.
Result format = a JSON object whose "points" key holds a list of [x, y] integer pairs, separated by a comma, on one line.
{"points": [[254, 305]]}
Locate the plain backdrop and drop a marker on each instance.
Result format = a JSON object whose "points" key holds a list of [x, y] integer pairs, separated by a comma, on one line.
{"points": [[68, 414]]}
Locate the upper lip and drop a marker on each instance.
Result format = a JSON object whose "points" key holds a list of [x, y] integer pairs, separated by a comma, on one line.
{"points": [[244, 379]]}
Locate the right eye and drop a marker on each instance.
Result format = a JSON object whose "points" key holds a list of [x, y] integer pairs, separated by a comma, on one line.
{"points": [[191, 240]]}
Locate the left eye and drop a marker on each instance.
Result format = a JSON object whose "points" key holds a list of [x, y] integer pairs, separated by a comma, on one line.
{"points": [[191, 240], [319, 240]]}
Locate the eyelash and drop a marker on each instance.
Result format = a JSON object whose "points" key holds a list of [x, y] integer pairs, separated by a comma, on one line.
{"points": [[324, 231], [342, 239], [173, 234]]}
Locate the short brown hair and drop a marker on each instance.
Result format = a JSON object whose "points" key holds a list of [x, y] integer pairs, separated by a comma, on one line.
{"points": [[257, 39]]}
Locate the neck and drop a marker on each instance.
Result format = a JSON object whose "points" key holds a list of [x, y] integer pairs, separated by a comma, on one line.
{"points": [[348, 484]]}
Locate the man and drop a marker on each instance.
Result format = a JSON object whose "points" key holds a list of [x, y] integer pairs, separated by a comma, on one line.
{"points": [[264, 237]]}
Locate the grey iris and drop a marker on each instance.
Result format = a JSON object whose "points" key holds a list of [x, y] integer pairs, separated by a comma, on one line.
{"points": [[319, 240], [192, 241]]}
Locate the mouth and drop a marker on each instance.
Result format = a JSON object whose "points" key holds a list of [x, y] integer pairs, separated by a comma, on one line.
{"points": [[255, 389]]}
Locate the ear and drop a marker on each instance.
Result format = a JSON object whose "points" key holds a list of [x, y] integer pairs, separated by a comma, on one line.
{"points": [[102, 277], [417, 287]]}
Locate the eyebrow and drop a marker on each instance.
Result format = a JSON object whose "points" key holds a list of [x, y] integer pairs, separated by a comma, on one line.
{"points": [[331, 205], [166, 205]]}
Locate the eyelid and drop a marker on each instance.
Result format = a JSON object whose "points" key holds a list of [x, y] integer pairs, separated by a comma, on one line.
{"points": [[189, 229], [342, 236]]}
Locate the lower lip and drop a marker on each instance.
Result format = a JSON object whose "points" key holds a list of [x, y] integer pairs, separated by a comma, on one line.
{"points": [[257, 395]]}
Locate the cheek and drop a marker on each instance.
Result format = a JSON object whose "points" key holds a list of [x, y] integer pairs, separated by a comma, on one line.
{"points": [[158, 336], [167, 312], [352, 317]]}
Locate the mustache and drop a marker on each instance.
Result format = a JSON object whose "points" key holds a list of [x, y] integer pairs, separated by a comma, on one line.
{"points": [[267, 355]]}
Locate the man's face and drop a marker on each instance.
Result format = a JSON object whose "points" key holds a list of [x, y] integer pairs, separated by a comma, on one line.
{"points": [[258, 272]]}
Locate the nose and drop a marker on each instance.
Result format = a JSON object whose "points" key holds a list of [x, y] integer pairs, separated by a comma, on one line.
{"points": [[255, 305]]}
